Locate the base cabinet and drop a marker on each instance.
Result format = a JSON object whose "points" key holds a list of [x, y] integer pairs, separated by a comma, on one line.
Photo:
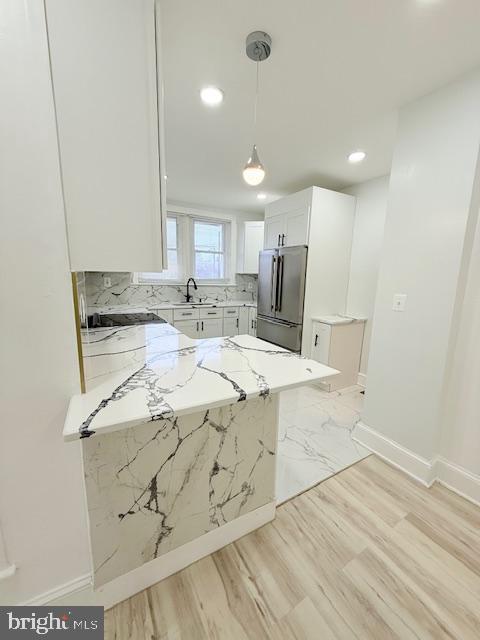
{"points": [[230, 326], [230, 321], [243, 317], [252, 321], [188, 327], [211, 328], [338, 346]]}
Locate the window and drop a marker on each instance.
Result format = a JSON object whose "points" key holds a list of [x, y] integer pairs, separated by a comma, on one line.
{"points": [[195, 246], [209, 250]]}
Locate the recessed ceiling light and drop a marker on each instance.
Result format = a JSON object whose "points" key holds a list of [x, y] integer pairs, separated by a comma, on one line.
{"points": [[261, 196], [212, 96], [357, 156]]}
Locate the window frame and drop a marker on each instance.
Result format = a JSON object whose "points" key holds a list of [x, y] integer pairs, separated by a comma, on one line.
{"points": [[186, 248]]}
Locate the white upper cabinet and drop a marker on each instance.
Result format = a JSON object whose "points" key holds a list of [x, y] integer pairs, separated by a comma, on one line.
{"points": [[250, 243], [287, 220], [274, 229], [109, 99]]}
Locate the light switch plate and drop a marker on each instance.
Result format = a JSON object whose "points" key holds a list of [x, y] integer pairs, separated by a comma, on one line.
{"points": [[399, 301]]}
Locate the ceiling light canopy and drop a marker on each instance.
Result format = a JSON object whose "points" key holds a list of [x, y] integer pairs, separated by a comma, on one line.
{"points": [[258, 47], [211, 96], [357, 156]]}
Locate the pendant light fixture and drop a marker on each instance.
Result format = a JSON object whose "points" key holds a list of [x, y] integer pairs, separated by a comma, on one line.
{"points": [[258, 47]]}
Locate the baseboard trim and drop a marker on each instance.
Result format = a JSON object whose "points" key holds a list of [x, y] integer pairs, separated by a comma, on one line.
{"points": [[458, 479], [452, 476], [148, 574], [151, 572], [65, 590], [415, 466], [362, 379]]}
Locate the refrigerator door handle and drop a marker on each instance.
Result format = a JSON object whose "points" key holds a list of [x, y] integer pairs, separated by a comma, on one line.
{"points": [[281, 260], [279, 322], [273, 290]]}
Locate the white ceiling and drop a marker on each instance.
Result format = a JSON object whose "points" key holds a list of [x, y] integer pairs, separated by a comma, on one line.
{"points": [[338, 72]]}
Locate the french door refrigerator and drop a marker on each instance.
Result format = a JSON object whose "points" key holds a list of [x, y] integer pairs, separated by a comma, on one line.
{"points": [[281, 289]]}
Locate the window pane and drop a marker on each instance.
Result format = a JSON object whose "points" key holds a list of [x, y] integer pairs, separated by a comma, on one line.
{"points": [[171, 233], [174, 271], [209, 266], [208, 236]]}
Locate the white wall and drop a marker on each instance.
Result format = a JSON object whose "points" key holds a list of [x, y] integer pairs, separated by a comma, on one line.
{"points": [[429, 204], [460, 442], [41, 495], [371, 207]]}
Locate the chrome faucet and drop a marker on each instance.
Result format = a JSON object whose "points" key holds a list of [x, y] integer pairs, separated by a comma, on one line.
{"points": [[188, 296]]}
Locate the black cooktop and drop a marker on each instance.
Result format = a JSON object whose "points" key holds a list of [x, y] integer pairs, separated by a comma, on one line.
{"points": [[122, 319]]}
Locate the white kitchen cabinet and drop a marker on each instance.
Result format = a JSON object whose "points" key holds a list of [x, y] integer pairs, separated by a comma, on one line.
{"points": [[211, 328], [250, 243], [186, 313], [188, 327], [287, 220], [107, 85], [166, 314], [230, 326], [243, 314], [252, 321], [337, 342], [274, 229]]}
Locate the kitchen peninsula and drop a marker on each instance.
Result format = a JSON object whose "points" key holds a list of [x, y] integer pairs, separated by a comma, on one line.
{"points": [[179, 439]]}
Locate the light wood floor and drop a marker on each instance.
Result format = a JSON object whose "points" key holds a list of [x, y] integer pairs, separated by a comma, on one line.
{"points": [[366, 554]]}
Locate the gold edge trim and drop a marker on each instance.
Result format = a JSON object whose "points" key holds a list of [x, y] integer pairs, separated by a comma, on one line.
{"points": [[78, 332]]}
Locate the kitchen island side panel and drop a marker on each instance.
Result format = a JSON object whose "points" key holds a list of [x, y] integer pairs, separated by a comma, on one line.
{"points": [[154, 487]]}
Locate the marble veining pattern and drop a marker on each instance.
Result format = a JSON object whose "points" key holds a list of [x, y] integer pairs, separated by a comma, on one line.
{"points": [[315, 429], [151, 372], [155, 487], [124, 292]]}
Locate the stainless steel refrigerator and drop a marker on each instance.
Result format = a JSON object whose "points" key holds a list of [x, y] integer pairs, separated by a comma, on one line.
{"points": [[281, 290]]}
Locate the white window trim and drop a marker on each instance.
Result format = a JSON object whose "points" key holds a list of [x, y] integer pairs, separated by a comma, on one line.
{"points": [[182, 213]]}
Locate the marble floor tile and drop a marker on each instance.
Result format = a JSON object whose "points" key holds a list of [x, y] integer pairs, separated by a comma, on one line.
{"points": [[315, 440]]}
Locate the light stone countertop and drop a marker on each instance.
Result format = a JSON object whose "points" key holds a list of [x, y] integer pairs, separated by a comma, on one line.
{"points": [[147, 372]]}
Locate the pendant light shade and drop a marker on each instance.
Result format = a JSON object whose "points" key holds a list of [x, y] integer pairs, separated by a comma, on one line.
{"points": [[254, 172]]}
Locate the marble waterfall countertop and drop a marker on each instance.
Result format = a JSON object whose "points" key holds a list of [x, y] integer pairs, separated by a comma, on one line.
{"points": [[148, 372]]}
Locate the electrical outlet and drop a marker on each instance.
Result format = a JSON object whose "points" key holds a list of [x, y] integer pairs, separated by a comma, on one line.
{"points": [[107, 282], [399, 302], [250, 286]]}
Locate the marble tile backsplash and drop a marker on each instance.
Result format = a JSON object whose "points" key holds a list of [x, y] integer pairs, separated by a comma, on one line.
{"points": [[123, 291]]}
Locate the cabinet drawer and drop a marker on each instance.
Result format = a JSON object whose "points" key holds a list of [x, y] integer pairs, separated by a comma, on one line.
{"points": [[186, 314], [208, 312], [230, 312]]}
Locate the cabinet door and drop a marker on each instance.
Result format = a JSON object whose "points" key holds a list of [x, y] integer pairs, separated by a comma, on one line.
{"points": [[108, 100], [230, 326], [321, 342], [190, 328], [274, 229], [254, 233], [252, 321], [243, 320], [296, 227], [212, 328], [165, 314]]}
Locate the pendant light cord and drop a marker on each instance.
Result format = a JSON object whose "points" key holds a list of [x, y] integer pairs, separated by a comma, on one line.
{"points": [[255, 105]]}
